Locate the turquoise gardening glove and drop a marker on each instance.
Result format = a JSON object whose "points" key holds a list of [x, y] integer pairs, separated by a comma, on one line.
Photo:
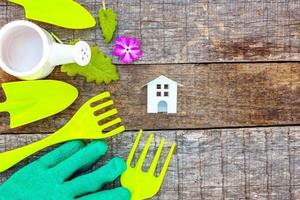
{"points": [[48, 178]]}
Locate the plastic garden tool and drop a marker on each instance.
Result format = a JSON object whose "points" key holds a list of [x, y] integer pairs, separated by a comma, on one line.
{"points": [[30, 101], [85, 124], [144, 185], [64, 13], [29, 52], [52, 176]]}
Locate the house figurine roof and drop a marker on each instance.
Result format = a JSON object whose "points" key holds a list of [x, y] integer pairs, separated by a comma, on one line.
{"points": [[159, 78]]}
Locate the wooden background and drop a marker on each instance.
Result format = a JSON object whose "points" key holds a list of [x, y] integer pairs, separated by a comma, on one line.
{"points": [[238, 111]]}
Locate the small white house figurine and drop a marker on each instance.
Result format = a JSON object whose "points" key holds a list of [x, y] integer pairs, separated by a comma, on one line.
{"points": [[162, 95]]}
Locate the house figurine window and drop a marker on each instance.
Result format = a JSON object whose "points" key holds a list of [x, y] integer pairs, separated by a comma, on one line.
{"points": [[162, 95], [162, 92]]}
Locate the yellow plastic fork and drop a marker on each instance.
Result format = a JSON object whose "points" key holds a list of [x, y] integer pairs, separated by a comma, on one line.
{"points": [[85, 124], [144, 185]]}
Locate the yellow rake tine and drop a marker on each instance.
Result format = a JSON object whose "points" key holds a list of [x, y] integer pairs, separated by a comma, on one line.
{"points": [[144, 152], [134, 147], [167, 162], [98, 97], [115, 131], [103, 105], [107, 114], [111, 123], [156, 157]]}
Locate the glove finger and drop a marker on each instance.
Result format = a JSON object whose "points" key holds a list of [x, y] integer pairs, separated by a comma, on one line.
{"points": [[85, 157], [119, 193], [95, 180], [61, 153]]}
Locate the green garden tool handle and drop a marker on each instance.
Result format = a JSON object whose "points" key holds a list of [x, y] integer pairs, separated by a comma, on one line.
{"points": [[12, 157]]}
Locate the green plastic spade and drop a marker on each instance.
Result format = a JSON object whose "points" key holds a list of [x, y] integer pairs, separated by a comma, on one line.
{"points": [[64, 13], [30, 101]]}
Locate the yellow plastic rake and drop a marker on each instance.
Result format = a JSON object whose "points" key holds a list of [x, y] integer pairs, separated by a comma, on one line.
{"points": [[85, 124], [141, 184]]}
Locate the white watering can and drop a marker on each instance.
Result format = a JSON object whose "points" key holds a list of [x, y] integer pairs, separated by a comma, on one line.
{"points": [[29, 52]]}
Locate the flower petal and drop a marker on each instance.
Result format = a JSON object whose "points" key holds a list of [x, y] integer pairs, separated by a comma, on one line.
{"points": [[121, 41], [127, 59], [135, 43], [127, 41], [119, 50], [135, 54], [128, 49]]}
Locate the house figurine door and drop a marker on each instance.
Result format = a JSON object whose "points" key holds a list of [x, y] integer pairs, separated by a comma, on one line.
{"points": [[162, 107]]}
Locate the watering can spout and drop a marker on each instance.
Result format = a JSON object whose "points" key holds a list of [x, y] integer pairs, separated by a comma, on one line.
{"points": [[79, 53], [40, 53]]}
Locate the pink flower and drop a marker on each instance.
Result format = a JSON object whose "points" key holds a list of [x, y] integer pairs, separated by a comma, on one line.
{"points": [[128, 49]]}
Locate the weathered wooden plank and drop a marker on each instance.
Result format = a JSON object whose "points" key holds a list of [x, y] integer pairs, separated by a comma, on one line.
{"points": [[213, 95], [193, 31], [250, 163]]}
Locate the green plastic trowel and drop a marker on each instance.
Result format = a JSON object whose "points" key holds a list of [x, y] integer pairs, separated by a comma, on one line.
{"points": [[30, 101], [64, 13]]}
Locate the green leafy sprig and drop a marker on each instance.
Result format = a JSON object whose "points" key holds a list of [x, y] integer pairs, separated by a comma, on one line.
{"points": [[100, 68], [108, 22]]}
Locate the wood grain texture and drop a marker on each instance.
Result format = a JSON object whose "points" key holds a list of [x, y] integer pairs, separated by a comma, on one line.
{"points": [[253, 163], [239, 163], [194, 31], [213, 95]]}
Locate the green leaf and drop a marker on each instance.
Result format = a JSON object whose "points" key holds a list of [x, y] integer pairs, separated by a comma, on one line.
{"points": [[100, 68], [108, 23]]}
